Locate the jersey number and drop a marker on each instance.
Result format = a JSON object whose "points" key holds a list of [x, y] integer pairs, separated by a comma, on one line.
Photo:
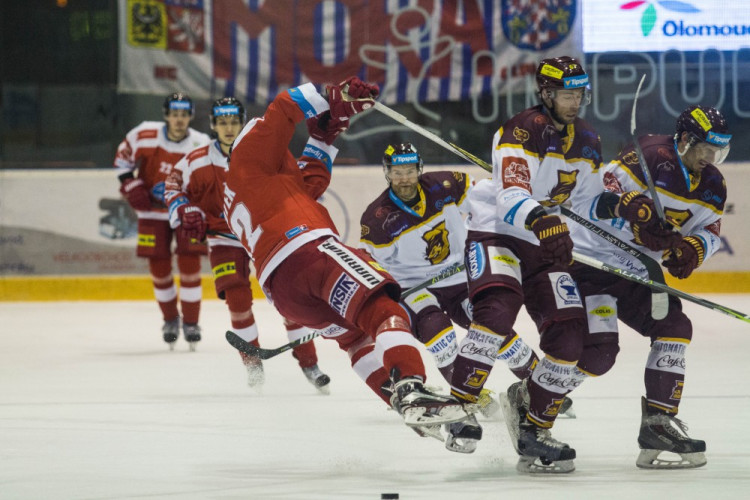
{"points": [[242, 226]]}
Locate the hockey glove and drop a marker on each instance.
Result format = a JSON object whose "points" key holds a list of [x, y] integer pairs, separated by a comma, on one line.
{"points": [[134, 190], [635, 207], [554, 239], [654, 236], [192, 222], [350, 97], [685, 257], [324, 128]]}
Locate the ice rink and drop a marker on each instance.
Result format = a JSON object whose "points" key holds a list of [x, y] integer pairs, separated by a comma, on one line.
{"points": [[94, 406]]}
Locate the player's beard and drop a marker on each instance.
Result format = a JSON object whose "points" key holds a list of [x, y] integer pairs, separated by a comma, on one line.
{"points": [[405, 192]]}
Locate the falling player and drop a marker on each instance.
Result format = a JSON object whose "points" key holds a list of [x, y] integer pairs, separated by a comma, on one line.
{"points": [[309, 275], [143, 161], [194, 193]]}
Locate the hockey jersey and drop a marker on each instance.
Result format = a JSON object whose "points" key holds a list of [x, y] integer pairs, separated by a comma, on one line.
{"points": [[417, 243], [150, 155], [269, 196], [198, 178], [533, 164], [693, 204]]}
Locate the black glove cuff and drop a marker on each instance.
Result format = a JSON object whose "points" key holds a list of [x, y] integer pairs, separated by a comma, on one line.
{"points": [[605, 207], [536, 213]]}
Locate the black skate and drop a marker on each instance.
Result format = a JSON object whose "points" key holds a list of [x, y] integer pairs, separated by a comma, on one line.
{"points": [[541, 453], [662, 433], [420, 407], [255, 375], [463, 436], [171, 331], [192, 334], [432, 431], [318, 379]]}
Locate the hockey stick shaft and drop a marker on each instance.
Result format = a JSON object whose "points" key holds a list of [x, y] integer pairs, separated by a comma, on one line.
{"points": [[642, 160], [589, 261], [241, 345]]}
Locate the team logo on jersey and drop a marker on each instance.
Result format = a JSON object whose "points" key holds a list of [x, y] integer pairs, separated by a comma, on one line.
{"points": [[565, 290], [677, 218], [477, 261], [521, 135], [611, 183], [342, 293], [630, 159], [677, 390], [363, 230], [566, 181], [516, 173], [438, 247]]}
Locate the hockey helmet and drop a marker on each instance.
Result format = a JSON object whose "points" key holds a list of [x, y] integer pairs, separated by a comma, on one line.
{"points": [[562, 73], [227, 106], [401, 154], [178, 100], [705, 125]]}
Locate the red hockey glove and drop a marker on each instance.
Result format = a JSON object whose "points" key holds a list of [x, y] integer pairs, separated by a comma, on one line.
{"points": [[324, 128], [554, 239], [351, 97], [192, 222], [134, 190], [654, 236], [685, 257], [635, 207]]}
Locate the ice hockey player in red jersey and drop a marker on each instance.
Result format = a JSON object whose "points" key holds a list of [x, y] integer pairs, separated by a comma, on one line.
{"points": [[194, 194], [692, 192], [144, 159], [305, 270]]}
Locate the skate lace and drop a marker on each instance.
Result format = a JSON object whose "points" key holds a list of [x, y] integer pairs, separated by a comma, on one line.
{"points": [[544, 436], [666, 422]]}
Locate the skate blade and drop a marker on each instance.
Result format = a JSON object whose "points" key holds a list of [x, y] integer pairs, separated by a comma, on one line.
{"points": [[324, 389], [461, 445], [432, 431], [192, 346], [171, 345], [511, 417], [650, 459], [535, 465], [434, 414]]}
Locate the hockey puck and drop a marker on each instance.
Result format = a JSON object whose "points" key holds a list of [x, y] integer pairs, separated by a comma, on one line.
{"points": [[389, 496]]}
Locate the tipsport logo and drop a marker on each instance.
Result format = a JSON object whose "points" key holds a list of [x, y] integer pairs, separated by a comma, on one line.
{"points": [[649, 16]]}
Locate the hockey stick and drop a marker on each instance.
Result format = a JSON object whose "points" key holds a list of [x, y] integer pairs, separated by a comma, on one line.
{"points": [[659, 301], [589, 261], [219, 233], [241, 345], [642, 160]]}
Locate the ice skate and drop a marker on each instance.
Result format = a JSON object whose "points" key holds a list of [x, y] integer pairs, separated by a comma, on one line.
{"points": [[192, 334], [514, 403], [255, 375], [318, 379], [463, 436], [486, 404], [541, 453], [420, 407], [171, 331], [662, 433]]}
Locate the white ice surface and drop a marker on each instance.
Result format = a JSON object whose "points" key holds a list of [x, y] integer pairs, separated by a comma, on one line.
{"points": [[94, 406]]}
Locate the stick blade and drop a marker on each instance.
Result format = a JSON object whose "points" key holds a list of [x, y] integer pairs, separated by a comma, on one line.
{"points": [[239, 344]]}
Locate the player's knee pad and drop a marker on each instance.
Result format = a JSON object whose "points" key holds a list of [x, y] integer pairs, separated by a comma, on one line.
{"points": [[496, 308], [598, 359], [563, 340]]}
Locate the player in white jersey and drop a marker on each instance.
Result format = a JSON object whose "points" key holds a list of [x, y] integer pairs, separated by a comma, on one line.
{"points": [[415, 230], [144, 159], [194, 194], [517, 254], [692, 192]]}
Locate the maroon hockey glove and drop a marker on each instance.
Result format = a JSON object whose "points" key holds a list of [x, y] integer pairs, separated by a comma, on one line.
{"points": [[324, 128], [134, 190], [554, 239], [635, 207], [351, 97], [192, 222], [654, 236], [685, 257]]}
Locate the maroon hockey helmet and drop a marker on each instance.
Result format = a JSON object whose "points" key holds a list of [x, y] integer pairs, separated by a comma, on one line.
{"points": [[178, 100], [227, 106], [705, 125], [562, 73], [401, 154]]}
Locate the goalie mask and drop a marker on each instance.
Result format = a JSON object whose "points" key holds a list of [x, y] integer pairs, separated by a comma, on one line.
{"points": [[707, 131]]}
